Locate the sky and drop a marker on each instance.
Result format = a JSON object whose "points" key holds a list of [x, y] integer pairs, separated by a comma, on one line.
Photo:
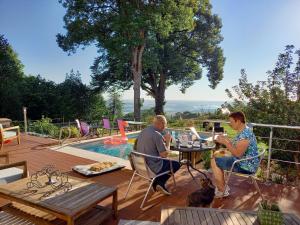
{"points": [[254, 32]]}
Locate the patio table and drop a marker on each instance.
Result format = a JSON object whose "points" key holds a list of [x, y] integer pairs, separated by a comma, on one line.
{"points": [[189, 151], [137, 124], [68, 206], [192, 216]]}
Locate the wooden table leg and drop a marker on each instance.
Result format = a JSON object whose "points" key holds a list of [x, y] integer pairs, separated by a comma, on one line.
{"points": [[70, 221], [115, 204]]}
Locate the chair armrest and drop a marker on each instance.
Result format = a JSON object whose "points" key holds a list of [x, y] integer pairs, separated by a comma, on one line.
{"points": [[6, 156], [151, 156], [11, 128], [16, 164], [155, 157], [246, 159]]}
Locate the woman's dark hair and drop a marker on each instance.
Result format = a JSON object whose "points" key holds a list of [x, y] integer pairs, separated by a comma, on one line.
{"points": [[238, 116]]}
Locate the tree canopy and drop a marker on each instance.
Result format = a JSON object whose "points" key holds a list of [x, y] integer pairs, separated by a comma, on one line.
{"points": [[68, 100], [173, 58], [129, 32], [11, 72]]}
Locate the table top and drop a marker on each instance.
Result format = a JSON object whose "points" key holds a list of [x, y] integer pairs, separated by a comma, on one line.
{"points": [[194, 148], [83, 195], [135, 122], [194, 216]]}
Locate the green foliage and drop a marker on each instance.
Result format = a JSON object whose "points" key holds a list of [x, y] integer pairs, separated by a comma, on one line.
{"points": [[11, 72], [269, 206], [274, 101], [206, 158], [115, 105], [44, 126], [168, 42], [74, 132], [278, 179]]}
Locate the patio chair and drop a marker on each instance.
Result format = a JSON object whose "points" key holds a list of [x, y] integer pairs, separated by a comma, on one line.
{"points": [[138, 160], [260, 156], [11, 172], [86, 129], [8, 134], [107, 126]]}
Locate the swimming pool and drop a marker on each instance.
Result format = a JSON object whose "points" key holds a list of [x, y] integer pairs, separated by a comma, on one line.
{"points": [[120, 150]]}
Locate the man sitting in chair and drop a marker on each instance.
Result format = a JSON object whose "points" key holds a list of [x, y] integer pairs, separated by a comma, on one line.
{"points": [[152, 142], [243, 145]]}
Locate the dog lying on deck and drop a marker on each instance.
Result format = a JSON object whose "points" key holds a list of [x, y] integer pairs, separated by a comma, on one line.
{"points": [[204, 196]]}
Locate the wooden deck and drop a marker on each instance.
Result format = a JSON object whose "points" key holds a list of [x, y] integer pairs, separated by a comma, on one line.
{"points": [[195, 216], [243, 196]]}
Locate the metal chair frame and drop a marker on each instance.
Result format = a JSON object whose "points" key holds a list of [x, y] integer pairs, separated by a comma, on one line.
{"points": [[149, 175], [251, 176]]}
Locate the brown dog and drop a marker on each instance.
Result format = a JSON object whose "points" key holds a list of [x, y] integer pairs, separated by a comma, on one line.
{"points": [[204, 196]]}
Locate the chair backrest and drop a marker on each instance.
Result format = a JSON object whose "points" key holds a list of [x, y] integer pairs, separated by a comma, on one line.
{"points": [[219, 129], [140, 164], [78, 124], [217, 124], [106, 123], [83, 127]]}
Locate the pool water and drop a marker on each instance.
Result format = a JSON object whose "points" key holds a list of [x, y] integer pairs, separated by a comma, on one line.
{"points": [[120, 150]]}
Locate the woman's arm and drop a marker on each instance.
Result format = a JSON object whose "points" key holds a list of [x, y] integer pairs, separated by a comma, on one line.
{"points": [[238, 150]]}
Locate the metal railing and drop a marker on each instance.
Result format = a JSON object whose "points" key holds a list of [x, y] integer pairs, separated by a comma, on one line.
{"points": [[268, 139], [271, 139]]}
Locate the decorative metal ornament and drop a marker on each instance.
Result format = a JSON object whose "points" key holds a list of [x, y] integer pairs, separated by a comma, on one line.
{"points": [[57, 180]]}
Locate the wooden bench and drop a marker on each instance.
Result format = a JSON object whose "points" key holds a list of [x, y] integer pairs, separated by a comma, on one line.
{"points": [[9, 215]]}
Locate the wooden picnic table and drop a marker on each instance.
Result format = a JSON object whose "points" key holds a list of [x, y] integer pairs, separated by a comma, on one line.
{"points": [[210, 216], [68, 206]]}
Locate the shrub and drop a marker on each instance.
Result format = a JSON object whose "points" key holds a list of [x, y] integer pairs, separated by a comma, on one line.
{"points": [[44, 126]]}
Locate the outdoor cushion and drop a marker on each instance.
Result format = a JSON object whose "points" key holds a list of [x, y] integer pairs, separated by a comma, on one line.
{"points": [[10, 175], [85, 128], [9, 134]]}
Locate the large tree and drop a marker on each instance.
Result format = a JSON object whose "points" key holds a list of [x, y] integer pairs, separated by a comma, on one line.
{"points": [[176, 58], [120, 30], [11, 75]]}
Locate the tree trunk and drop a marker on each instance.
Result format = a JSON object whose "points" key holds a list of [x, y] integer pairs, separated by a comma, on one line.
{"points": [[160, 96], [136, 68]]}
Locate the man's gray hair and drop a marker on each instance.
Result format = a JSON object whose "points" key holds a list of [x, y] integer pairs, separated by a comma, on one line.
{"points": [[160, 119]]}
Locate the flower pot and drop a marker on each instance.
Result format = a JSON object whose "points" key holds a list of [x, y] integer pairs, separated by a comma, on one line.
{"points": [[269, 217]]}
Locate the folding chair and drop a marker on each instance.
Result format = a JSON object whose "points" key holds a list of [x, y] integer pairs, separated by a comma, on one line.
{"points": [[141, 169], [251, 176], [107, 126]]}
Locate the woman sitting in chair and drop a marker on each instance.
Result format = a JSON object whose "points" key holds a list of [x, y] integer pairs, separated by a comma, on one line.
{"points": [[243, 145]]}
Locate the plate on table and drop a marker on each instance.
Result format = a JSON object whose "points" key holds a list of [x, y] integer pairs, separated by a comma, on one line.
{"points": [[97, 168], [222, 153]]}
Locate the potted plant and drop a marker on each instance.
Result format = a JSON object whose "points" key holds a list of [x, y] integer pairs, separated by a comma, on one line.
{"points": [[269, 214]]}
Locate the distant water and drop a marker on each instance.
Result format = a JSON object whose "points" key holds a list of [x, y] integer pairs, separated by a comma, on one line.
{"points": [[173, 106]]}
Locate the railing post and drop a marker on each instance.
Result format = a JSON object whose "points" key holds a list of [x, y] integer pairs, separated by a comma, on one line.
{"points": [[25, 119], [270, 153]]}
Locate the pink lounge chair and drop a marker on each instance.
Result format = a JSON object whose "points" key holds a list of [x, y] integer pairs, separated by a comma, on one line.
{"points": [[83, 128], [107, 126]]}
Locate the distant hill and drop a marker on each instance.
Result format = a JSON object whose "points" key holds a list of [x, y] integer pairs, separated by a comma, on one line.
{"points": [[173, 106]]}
